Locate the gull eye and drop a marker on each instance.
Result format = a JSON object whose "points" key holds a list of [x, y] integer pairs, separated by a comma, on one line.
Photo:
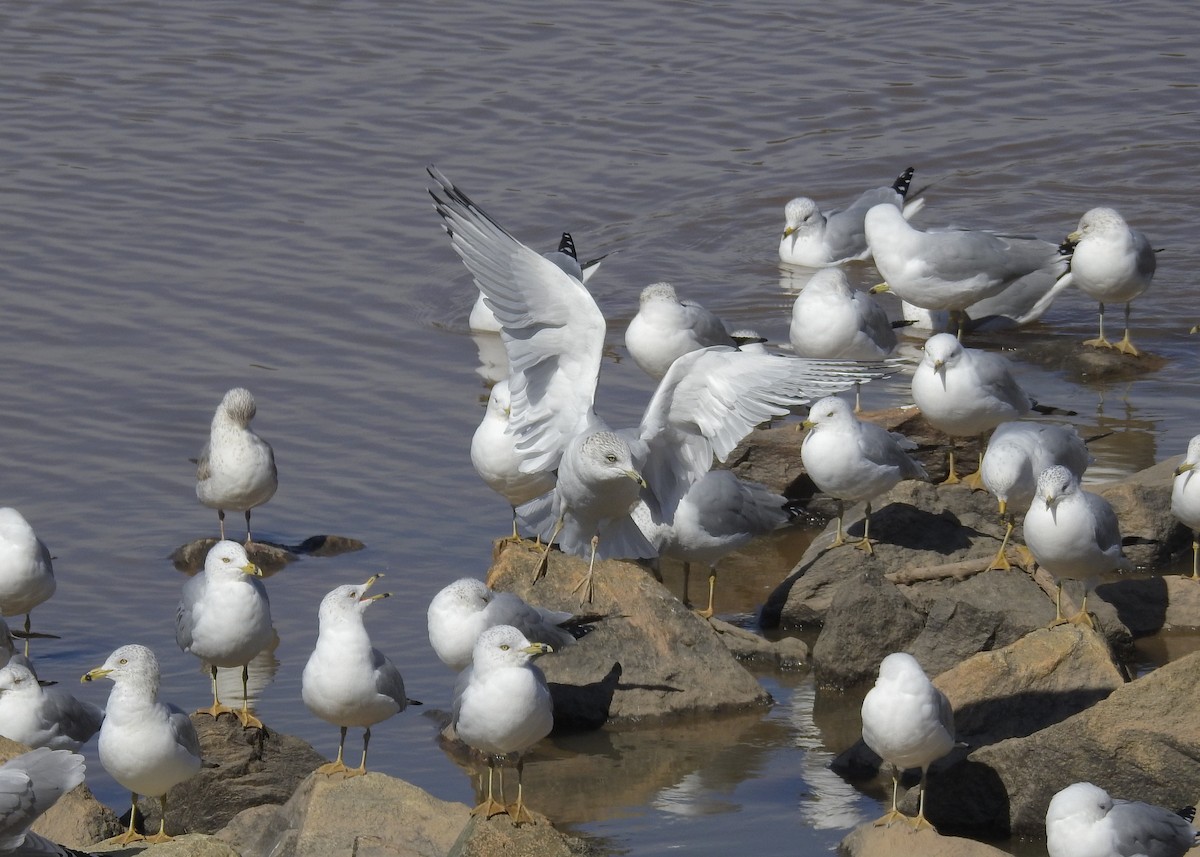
{"points": [[351, 594], [504, 647], [225, 560], [612, 459], [123, 661]]}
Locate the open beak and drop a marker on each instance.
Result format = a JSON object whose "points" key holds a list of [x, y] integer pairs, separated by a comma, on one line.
{"points": [[370, 599]]}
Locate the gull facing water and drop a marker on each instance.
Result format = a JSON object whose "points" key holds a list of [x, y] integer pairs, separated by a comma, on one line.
{"points": [[43, 716], [667, 327], [26, 571], [1083, 821], [236, 469]]}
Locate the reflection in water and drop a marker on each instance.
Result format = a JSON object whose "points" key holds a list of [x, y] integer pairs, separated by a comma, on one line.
{"points": [[261, 673], [270, 557], [829, 801]]}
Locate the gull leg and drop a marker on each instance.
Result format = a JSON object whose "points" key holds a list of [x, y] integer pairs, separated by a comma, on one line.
{"points": [[362, 767], [1195, 569], [217, 708], [1001, 559], [517, 812], [952, 476], [221, 519], [1100, 341], [687, 575], [839, 538], [894, 813], [865, 542], [1058, 616], [975, 480], [247, 527], [540, 571], [1083, 617], [1125, 346], [920, 821], [28, 626], [161, 836], [248, 719], [132, 835], [712, 587], [337, 766], [490, 806], [585, 583], [858, 397]]}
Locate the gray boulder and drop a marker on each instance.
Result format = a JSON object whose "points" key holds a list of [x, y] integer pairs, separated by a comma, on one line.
{"points": [[900, 840]]}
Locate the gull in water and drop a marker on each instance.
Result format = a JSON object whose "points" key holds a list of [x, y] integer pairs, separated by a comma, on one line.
{"points": [[1018, 452], [39, 716], [1083, 821], [1074, 534], [1185, 499], [750, 341], [466, 608], [348, 682], [26, 571], [502, 707], [29, 785], [909, 723], [815, 240], [236, 468], [224, 618], [952, 269], [145, 745], [965, 391], [852, 460], [667, 327], [1111, 263], [554, 334], [497, 460]]}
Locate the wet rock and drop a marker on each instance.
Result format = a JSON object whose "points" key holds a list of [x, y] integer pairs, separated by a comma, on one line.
{"points": [[1141, 742], [77, 819], [189, 558], [242, 768], [652, 657], [1143, 505], [900, 840], [499, 837], [1072, 358], [785, 653]]}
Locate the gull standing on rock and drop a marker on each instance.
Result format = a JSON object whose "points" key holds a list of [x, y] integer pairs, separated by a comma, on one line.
{"points": [[466, 608], [29, 785], [224, 618], [502, 707], [1074, 534], [965, 391], [852, 460], [953, 269], [347, 681], [1111, 263], [909, 723], [26, 571], [1083, 821], [236, 468], [1185, 499], [39, 716], [1017, 454], [666, 327], [145, 745], [815, 240]]}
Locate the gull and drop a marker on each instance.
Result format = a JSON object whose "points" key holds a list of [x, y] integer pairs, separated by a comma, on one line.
{"points": [[1072, 533], [750, 341], [224, 618], [953, 269], [1083, 821], [30, 784], [236, 468], [464, 609], [816, 240], [1111, 263], [497, 460], [43, 717], [852, 460], [667, 327], [909, 723], [1018, 452], [347, 681], [965, 391], [26, 570], [502, 707], [145, 745], [1185, 499], [554, 335]]}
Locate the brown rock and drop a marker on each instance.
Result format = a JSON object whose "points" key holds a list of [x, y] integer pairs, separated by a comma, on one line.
{"points": [[900, 840], [191, 845], [1143, 506], [784, 653], [499, 837], [652, 657]]}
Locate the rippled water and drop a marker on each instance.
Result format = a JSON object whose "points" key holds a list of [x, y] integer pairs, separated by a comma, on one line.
{"points": [[201, 195]]}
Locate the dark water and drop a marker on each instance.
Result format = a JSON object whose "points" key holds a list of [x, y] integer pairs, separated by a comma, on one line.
{"points": [[202, 195]]}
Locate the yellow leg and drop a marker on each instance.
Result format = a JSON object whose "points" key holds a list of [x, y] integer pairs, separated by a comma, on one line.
{"points": [[361, 770], [894, 813], [1100, 341], [920, 821], [248, 719], [161, 836], [1195, 562], [839, 537], [952, 476], [248, 539], [131, 835], [1125, 346], [865, 542], [517, 812], [712, 587], [544, 562], [975, 480], [1083, 617], [585, 583], [337, 766], [490, 806], [1000, 561], [217, 708]]}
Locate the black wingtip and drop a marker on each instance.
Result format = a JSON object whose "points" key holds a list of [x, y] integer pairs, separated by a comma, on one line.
{"points": [[903, 182], [1187, 813], [567, 245]]}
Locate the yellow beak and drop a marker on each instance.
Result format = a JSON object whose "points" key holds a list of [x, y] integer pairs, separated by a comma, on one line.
{"points": [[92, 675]]}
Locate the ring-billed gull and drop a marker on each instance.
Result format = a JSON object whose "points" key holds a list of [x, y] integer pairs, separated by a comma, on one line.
{"points": [[43, 716], [852, 460], [750, 341], [814, 240], [502, 707], [26, 571], [1074, 534], [224, 618], [497, 460], [29, 785], [666, 327], [464, 609], [909, 723], [952, 269], [965, 391], [347, 681], [1185, 498], [1018, 452], [146, 745], [236, 468], [1083, 821], [1111, 263]]}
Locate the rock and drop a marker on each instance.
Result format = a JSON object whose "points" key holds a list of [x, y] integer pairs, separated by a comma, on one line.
{"points": [[784, 653], [1142, 742], [900, 840], [191, 845], [77, 819], [499, 837], [243, 768], [651, 657], [1143, 505]]}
